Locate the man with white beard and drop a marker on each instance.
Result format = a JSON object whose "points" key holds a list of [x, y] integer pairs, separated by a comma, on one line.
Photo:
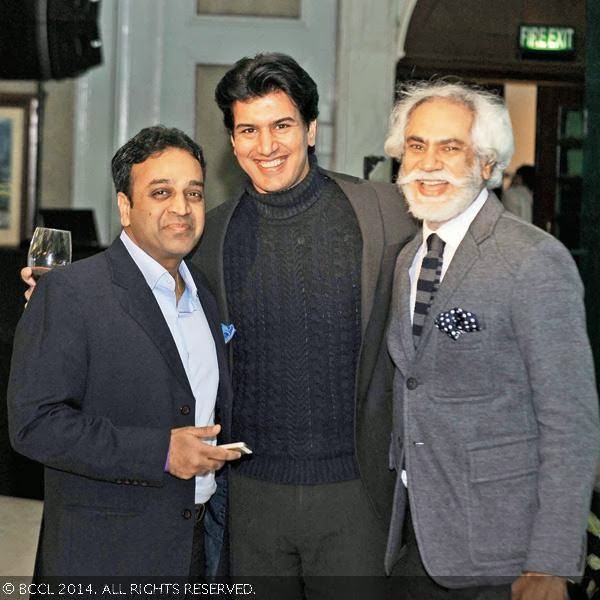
{"points": [[495, 409]]}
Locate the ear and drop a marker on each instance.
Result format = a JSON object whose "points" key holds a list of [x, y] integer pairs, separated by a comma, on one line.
{"points": [[124, 207], [486, 170], [312, 133], [232, 140]]}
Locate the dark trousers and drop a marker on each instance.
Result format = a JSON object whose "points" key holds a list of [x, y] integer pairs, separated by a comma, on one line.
{"points": [[411, 581], [306, 541], [197, 568]]}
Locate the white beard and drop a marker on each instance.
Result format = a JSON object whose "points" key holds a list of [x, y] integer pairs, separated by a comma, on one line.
{"points": [[437, 209]]}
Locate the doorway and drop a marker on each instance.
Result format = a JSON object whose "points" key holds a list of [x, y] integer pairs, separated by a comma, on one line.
{"points": [[559, 163]]}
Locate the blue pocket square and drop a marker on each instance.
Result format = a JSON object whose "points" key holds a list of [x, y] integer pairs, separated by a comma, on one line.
{"points": [[457, 321], [228, 332]]}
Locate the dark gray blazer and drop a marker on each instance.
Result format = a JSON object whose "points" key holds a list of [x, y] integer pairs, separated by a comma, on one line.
{"points": [[498, 430], [385, 226], [96, 385]]}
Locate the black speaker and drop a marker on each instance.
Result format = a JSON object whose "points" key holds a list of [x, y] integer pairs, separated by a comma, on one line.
{"points": [[48, 39]]}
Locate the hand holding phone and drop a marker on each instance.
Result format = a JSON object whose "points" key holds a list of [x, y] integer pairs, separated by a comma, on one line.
{"points": [[239, 446]]}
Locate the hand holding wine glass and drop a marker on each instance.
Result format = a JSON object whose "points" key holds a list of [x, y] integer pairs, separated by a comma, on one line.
{"points": [[49, 248]]}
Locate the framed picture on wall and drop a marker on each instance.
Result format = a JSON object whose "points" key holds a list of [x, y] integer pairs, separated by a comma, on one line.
{"points": [[18, 162]]}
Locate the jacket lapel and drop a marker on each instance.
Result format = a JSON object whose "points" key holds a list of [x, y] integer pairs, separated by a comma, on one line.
{"points": [[209, 311], [366, 208], [223, 407], [212, 245], [401, 321], [136, 298], [465, 256], [467, 253]]}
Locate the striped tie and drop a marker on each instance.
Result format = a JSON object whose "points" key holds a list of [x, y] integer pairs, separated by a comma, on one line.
{"points": [[429, 279]]}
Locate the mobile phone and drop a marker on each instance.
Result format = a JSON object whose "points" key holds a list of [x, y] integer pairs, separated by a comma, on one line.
{"points": [[239, 446]]}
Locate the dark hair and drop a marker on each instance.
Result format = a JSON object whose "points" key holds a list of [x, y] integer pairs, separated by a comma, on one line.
{"points": [[144, 144], [527, 174], [263, 74]]}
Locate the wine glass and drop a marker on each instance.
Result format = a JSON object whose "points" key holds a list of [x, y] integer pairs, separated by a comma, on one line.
{"points": [[49, 248]]}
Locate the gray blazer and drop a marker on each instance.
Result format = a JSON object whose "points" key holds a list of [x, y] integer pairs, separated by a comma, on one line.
{"points": [[385, 226], [498, 431]]}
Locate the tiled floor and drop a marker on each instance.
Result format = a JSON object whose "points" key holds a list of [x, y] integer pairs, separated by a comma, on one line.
{"points": [[20, 520]]}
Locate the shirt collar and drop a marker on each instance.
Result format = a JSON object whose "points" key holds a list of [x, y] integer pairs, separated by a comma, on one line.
{"points": [[190, 295], [156, 275], [453, 231]]}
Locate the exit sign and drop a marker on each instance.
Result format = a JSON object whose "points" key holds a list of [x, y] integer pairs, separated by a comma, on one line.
{"points": [[547, 42]]}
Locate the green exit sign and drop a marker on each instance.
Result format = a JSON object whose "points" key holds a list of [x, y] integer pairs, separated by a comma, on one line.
{"points": [[542, 41]]}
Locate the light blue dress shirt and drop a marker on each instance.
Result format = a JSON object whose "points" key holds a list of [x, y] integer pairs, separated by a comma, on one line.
{"points": [[193, 338]]}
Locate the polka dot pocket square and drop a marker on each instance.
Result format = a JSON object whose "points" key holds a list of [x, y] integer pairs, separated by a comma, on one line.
{"points": [[457, 321]]}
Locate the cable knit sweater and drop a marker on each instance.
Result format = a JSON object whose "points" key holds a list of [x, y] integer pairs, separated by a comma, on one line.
{"points": [[292, 275]]}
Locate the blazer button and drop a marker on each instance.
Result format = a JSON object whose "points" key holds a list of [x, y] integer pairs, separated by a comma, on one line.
{"points": [[185, 410], [186, 513], [412, 383]]}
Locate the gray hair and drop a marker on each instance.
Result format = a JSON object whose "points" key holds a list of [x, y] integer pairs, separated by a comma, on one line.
{"points": [[491, 133]]}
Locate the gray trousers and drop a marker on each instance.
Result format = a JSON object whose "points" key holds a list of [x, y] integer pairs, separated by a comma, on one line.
{"points": [[306, 541]]}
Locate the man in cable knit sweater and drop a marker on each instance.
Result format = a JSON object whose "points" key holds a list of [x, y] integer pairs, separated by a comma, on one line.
{"points": [[301, 264]]}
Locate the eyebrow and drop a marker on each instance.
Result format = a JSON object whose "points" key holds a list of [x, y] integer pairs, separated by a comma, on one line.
{"points": [[195, 182], [277, 122], [452, 141], [416, 138]]}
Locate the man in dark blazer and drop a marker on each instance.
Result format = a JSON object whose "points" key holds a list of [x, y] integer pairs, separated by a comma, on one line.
{"points": [[495, 405], [301, 264], [118, 361]]}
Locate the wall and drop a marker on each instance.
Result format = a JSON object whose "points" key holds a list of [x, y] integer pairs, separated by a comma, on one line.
{"points": [[371, 40], [521, 100]]}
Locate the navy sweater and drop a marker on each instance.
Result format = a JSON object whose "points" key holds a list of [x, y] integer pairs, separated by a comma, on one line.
{"points": [[292, 275]]}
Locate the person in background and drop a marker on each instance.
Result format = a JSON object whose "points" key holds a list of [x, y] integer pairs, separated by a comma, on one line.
{"points": [[518, 198], [496, 432]]}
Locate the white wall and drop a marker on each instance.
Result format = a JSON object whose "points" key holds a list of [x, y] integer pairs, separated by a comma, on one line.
{"points": [[371, 41]]}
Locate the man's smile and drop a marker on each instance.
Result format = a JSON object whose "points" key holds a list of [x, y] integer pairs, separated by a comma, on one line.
{"points": [[432, 187], [178, 227], [270, 164]]}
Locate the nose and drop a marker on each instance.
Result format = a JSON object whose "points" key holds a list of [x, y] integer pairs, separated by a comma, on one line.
{"points": [[267, 143], [430, 160], [180, 205]]}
